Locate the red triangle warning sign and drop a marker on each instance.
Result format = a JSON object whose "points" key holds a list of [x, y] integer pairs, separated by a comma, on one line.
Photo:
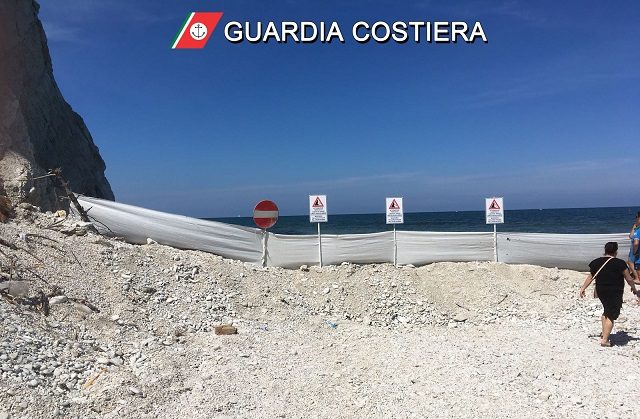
{"points": [[394, 205], [494, 205], [318, 203]]}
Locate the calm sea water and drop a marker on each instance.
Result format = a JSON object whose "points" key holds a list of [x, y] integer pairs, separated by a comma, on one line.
{"points": [[565, 220]]}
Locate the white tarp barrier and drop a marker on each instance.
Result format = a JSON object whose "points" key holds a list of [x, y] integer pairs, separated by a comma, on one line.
{"points": [[292, 251], [137, 224], [357, 248], [422, 247], [569, 251]]}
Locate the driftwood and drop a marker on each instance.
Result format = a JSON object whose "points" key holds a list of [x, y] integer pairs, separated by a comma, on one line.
{"points": [[28, 235], [461, 306], [85, 302], [32, 272], [93, 220], [57, 173], [61, 250], [30, 253], [13, 246], [39, 302], [54, 225], [8, 244], [17, 267]]}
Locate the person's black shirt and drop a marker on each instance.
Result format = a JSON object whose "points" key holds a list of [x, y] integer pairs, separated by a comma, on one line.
{"points": [[612, 275]]}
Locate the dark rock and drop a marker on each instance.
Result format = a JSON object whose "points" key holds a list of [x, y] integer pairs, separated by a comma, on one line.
{"points": [[148, 290], [6, 209], [28, 207], [225, 329]]}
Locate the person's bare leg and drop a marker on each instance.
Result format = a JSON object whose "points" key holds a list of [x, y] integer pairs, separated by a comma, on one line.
{"points": [[607, 327], [632, 270], [602, 322]]}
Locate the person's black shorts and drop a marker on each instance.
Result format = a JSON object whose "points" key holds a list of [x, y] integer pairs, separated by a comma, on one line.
{"points": [[611, 300]]}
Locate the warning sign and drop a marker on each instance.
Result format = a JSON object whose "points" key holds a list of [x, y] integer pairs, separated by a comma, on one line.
{"points": [[494, 211], [318, 209], [395, 214]]}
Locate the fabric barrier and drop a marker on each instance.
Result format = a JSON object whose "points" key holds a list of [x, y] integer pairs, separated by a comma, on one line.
{"points": [[134, 224], [292, 251], [569, 251], [421, 247]]}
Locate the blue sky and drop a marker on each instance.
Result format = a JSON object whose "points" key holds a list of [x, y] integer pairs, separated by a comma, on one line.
{"points": [[544, 114]]}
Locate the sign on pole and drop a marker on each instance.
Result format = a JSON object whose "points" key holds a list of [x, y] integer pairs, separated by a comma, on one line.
{"points": [[265, 214], [318, 209], [494, 210], [395, 214], [318, 214]]}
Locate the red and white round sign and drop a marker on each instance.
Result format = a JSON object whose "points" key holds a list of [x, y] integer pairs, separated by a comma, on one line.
{"points": [[265, 214]]}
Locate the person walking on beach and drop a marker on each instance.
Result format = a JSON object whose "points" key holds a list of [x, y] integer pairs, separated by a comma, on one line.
{"points": [[634, 251], [610, 274]]}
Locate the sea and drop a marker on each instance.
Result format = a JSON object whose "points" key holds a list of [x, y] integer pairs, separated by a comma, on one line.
{"points": [[562, 220]]}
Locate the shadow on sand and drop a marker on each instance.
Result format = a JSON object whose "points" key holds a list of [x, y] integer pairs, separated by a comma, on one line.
{"points": [[621, 338]]}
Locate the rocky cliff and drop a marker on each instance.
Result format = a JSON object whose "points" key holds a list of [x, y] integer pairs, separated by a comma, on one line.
{"points": [[38, 129]]}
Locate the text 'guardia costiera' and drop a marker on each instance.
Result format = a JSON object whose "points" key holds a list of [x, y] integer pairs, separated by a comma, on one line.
{"points": [[361, 32]]}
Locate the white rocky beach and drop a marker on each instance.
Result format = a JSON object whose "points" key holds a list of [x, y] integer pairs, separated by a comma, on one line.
{"points": [[130, 333], [96, 327]]}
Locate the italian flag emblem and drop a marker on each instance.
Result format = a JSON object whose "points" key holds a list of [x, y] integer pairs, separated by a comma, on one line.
{"points": [[196, 30]]}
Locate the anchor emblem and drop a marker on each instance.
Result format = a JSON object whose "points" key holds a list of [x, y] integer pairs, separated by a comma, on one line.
{"points": [[198, 31]]}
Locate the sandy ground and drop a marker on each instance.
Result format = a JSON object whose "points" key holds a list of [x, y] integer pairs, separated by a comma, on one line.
{"points": [[444, 340]]}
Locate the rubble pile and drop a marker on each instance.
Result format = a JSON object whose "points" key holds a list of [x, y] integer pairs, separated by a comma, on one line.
{"points": [[95, 327]]}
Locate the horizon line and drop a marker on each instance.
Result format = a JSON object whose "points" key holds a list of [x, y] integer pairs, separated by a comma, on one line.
{"points": [[431, 212]]}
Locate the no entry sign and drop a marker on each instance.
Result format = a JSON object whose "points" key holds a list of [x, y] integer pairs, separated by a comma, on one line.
{"points": [[265, 214]]}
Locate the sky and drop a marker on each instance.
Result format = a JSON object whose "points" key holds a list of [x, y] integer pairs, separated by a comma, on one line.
{"points": [[544, 114]]}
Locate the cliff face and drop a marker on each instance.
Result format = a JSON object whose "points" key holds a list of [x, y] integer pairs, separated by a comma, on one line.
{"points": [[38, 129]]}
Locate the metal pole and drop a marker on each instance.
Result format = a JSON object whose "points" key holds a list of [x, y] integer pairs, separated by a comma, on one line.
{"points": [[319, 245], [264, 247], [495, 243], [395, 248]]}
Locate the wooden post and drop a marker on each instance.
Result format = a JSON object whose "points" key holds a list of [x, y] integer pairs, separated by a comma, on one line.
{"points": [[58, 175]]}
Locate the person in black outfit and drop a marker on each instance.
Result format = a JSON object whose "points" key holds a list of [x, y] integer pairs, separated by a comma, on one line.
{"points": [[610, 274]]}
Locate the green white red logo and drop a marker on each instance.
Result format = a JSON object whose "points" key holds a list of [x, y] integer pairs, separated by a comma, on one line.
{"points": [[197, 30]]}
